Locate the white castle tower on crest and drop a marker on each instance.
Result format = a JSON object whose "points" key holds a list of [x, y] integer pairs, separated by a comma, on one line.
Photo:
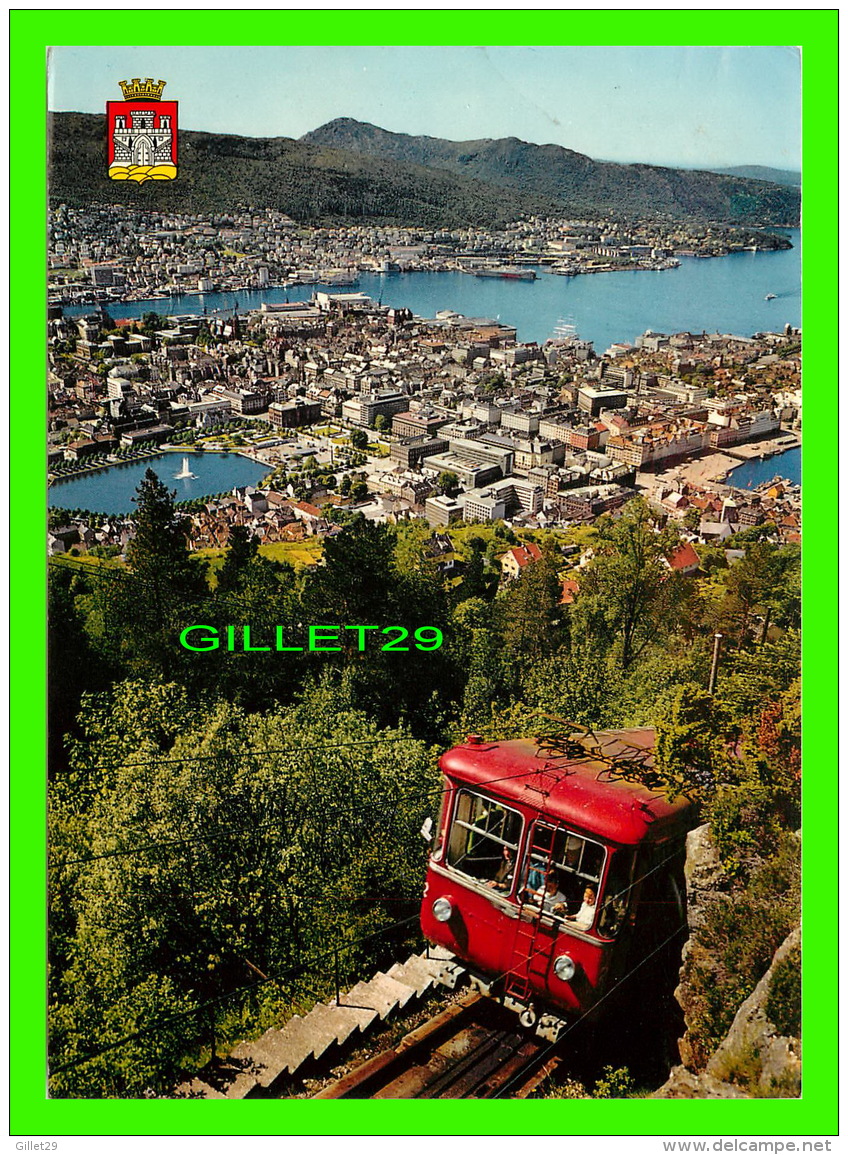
{"points": [[139, 140]]}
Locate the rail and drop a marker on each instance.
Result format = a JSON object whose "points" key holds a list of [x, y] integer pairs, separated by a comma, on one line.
{"points": [[471, 1050]]}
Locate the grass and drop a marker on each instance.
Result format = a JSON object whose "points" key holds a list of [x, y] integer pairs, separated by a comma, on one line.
{"points": [[296, 553], [71, 274], [87, 559]]}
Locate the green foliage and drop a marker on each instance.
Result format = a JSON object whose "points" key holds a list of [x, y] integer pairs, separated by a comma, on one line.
{"points": [[529, 613], [751, 679], [783, 1002], [281, 841], [736, 943], [614, 1083], [221, 842], [448, 482], [146, 609], [580, 687], [627, 595], [689, 752]]}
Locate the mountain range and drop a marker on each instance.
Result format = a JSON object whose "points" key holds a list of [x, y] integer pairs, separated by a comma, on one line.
{"points": [[349, 172]]}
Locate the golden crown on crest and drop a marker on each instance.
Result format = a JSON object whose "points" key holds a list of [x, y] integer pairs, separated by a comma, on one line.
{"points": [[136, 89]]}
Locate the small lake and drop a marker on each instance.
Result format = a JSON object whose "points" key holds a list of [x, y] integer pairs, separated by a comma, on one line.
{"points": [[112, 490], [752, 473]]}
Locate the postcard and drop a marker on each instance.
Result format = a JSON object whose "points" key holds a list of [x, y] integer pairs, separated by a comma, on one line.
{"points": [[424, 531]]}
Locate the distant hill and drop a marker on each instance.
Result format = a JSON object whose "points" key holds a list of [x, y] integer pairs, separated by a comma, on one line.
{"points": [[350, 173], [312, 183], [762, 172], [584, 186]]}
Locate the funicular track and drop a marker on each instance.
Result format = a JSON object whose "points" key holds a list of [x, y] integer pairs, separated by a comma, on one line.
{"points": [[472, 1050]]}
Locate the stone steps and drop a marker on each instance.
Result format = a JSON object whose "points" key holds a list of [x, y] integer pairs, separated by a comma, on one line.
{"points": [[258, 1065]]}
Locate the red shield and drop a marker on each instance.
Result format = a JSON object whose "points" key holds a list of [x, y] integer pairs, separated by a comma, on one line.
{"points": [[142, 136]]}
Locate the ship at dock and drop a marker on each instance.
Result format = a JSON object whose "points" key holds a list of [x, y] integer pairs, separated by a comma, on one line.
{"points": [[504, 273]]}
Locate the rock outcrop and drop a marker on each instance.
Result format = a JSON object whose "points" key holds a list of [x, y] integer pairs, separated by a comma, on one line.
{"points": [[754, 1060]]}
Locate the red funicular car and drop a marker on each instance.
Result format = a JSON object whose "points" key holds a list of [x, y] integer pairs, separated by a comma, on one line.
{"points": [[556, 872]]}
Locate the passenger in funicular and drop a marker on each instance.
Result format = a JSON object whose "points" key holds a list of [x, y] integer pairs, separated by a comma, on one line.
{"points": [[506, 868], [585, 915], [551, 897]]}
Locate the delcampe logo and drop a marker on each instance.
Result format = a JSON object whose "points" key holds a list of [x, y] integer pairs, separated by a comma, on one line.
{"points": [[142, 131]]}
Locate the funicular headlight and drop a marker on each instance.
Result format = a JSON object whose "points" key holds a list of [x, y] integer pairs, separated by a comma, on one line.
{"points": [[564, 968], [442, 910]]}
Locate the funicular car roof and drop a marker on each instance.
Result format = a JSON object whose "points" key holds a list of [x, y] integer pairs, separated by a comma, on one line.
{"points": [[581, 790]]}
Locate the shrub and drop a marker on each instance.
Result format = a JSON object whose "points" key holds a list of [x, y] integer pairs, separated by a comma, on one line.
{"points": [[783, 1002], [614, 1083], [735, 946]]}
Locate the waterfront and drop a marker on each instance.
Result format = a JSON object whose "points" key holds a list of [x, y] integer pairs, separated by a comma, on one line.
{"points": [[111, 490], [719, 294], [753, 473]]}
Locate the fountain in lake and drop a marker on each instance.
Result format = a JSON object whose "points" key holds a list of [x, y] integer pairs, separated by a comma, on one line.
{"points": [[185, 472]]}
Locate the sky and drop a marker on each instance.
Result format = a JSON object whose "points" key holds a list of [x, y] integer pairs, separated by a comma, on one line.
{"points": [[689, 107]]}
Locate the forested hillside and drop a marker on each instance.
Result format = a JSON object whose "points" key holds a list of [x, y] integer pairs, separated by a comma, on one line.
{"points": [[220, 821], [581, 185], [313, 184], [348, 172]]}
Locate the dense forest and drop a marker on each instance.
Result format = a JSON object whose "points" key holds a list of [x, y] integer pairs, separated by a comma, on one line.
{"points": [[226, 828]]}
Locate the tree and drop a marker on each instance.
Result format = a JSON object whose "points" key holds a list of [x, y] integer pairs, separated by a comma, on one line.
{"points": [[358, 438], [689, 751], [764, 585], [382, 423], [149, 605], [448, 482], [530, 612], [477, 580], [242, 548], [628, 592]]}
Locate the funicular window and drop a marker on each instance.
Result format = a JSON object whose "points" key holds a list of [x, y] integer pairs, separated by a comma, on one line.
{"points": [[483, 840], [562, 874], [617, 891], [442, 822]]}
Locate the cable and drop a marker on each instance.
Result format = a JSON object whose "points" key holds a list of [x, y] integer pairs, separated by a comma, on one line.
{"points": [[429, 792], [440, 789], [252, 826]]}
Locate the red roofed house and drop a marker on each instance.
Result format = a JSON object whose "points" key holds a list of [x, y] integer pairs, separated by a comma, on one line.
{"points": [[568, 591], [515, 559], [684, 560]]}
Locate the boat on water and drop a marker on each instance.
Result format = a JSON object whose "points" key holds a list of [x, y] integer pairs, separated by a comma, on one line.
{"points": [[770, 297], [565, 329], [505, 273]]}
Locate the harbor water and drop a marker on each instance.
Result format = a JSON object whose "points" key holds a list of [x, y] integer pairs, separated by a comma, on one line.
{"points": [[753, 473], [718, 294]]}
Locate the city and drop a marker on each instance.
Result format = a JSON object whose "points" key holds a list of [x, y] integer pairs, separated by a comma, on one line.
{"points": [[424, 608], [462, 422]]}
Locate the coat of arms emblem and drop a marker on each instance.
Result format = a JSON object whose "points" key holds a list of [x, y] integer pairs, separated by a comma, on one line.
{"points": [[142, 131]]}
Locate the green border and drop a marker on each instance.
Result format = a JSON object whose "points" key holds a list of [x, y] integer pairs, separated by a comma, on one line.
{"points": [[31, 1113]]}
